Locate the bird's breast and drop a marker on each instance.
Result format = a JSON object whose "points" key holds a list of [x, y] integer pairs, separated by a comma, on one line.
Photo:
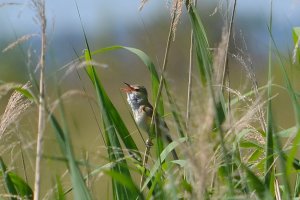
{"points": [[141, 119]]}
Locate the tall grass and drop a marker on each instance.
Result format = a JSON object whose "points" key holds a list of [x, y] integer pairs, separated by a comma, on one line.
{"points": [[223, 153], [40, 9]]}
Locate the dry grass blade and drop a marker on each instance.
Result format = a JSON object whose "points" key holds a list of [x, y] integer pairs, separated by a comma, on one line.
{"points": [[70, 95], [16, 106], [170, 37], [74, 65], [247, 118], [20, 40], [143, 2], [145, 161], [219, 62], [160, 87], [10, 4], [229, 30], [201, 173], [277, 190], [189, 92]]}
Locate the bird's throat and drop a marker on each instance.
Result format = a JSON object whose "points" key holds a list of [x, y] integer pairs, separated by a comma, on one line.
{"points": [[135, 101]]}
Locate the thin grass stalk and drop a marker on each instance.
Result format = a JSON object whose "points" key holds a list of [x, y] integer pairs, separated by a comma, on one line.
{"points": [[256, 93], [296, 106], [257, 96], [189, 93], [123, 188], [40, 5], [251, 74], [154, 129], [204, 58], [145, 161], [84, 89], [166, 56], [79, 188], [225, 62], [269, 138], [297, 186], [23, 162], [260, 111], [225, 67], [180, 124], [170, 36], [89, 102], [283, 171], [277, 189], [86, 42]]}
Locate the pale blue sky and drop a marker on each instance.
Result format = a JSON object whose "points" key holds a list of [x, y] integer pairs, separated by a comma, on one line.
{"points": [[101, 12], [116, 17]]}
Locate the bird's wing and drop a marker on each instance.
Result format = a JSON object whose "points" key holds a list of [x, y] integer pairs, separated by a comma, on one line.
{"points": [[163, 128], [148, 110]]}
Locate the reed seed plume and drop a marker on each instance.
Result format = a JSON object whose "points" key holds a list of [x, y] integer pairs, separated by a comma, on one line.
{"points": [[176, 11], [246, 119], [199, 169], [245, 60], [16, 106]]}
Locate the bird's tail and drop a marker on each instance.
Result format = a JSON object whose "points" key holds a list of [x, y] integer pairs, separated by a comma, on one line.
{"points": [[164, 131]]}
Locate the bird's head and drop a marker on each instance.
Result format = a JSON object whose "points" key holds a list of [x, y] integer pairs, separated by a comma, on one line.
{"points": [[136, 95]]}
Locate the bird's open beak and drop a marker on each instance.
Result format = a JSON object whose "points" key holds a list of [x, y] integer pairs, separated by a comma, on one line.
{"points": [[127, 89]]}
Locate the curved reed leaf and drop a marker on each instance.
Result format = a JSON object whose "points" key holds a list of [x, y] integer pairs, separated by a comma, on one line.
{"points": [[287, 166], [296, 38], [10, 187], [79, 188], [256, 185], [204, 58], [163, 156], [269, 169], [59, 190], [201, 43], [114, 126], [109, 108], [147, 61], [123, 180], [155, 84], [78, 184], [14, 184]]}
